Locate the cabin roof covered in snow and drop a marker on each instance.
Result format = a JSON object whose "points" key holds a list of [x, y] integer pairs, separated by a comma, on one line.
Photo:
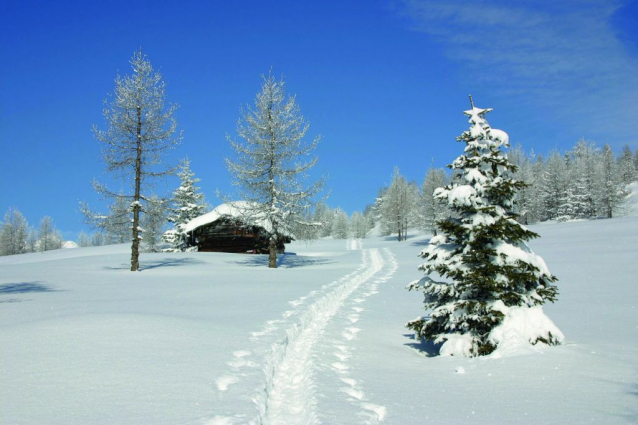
{"points": [[236, 209]]}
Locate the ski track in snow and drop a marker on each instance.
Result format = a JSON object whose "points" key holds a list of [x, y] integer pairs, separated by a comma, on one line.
{"points": [[354, 245], [288, 394], [343, 350]]}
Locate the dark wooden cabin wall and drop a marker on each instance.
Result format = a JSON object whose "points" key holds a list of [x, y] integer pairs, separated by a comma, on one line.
{"points": [[232, 236]]}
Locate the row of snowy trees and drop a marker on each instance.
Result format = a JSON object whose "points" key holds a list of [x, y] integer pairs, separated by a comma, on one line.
{"points": [[17, 237], [403, 205], [328, 222], [585, 182]]}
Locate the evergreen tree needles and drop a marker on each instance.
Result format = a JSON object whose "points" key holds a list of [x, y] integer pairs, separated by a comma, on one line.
{"points": [[482, 251]]}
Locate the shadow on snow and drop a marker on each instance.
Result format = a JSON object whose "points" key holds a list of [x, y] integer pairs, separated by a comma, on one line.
{"points": [[428, 348], [164, 262], [421, 242], [415, 240], [289, 260], [23, 288]]}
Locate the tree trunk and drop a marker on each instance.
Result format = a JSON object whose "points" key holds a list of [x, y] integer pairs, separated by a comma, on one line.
{"points": [[272, 243], [405, 229], [272, 253], [135, 248]]}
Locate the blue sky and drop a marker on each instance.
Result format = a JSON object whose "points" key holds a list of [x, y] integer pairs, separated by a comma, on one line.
{"points": [[384, 83]]}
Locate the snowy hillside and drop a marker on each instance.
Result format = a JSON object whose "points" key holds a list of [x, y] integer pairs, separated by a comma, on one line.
{"points": [[209, 338]]}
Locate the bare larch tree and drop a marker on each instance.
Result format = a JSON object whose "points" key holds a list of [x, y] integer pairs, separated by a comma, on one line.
{"points": [[140, 129], [272, 161]]}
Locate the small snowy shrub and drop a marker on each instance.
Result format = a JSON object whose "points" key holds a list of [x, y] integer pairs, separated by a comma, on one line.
{"points": [[490, 272]]}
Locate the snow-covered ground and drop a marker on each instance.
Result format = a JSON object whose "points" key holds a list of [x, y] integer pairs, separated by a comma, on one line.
{"points": [[209, 338]]}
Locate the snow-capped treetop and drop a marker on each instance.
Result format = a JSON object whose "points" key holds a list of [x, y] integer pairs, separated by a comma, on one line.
{"points": [[480, 132]]}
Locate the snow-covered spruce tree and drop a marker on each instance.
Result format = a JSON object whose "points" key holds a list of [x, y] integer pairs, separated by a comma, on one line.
{"points": [[187, 203], [498, 284], [140, 130], [271, 163]]}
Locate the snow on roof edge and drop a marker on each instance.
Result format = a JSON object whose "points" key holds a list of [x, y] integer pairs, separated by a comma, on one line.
{"points": [[235, 209]]}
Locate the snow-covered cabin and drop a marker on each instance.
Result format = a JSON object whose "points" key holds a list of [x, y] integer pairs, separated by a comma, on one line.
{"points": [[226, 229]]}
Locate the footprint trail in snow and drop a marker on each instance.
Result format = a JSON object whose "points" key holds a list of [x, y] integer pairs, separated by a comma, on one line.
{"points": [[288, 392], [343, 350]]}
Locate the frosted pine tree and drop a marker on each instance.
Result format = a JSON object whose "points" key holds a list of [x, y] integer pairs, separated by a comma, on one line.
{"points": [[187, 204], [496, 284]]}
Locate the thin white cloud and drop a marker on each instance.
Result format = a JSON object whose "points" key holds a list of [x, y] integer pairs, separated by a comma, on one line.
{"points": [[563, 56]]}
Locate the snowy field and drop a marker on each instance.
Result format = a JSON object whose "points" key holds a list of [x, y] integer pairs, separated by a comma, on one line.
{"points": [[209, 338]]}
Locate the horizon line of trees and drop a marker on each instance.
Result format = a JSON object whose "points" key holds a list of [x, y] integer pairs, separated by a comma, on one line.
{"points": [[17, 237], [585, 182]]}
